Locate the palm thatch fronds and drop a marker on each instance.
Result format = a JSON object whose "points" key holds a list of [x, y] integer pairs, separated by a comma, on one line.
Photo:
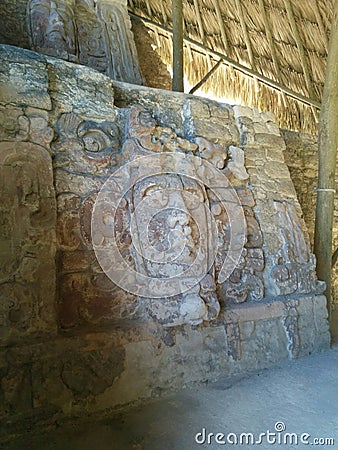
{"points": [[273, 51]]}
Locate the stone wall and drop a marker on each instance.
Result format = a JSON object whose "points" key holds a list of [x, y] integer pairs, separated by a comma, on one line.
{"points": [[75, 341], [301, 156]]}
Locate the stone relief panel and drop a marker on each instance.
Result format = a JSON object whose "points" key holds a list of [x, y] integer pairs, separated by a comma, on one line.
{"points": [[52, 28], [85, 154], [171, 229], [293, 268], [88, 152], [93, 33], [27, 269]]}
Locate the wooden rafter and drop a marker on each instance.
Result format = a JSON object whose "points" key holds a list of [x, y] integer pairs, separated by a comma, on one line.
{"points": [[320, 22], [270, 40], [221, 25], [300, 47], [165, 18], [245, 33], [206, 77], [199, 20]]}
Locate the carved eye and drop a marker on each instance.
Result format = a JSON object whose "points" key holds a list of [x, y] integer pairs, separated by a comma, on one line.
{"points": [[98, 139], [94, 140]]}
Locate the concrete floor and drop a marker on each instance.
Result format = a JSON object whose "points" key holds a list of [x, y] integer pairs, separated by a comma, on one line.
{"points": [[301, 396]]}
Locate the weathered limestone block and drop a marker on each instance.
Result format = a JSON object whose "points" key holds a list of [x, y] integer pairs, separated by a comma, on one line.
{"points": [[39, 131], [258, 129], [13, 29], [22, 124], [89, 298], [27, 239], [290, 322], [14, 125], [52, 27], [313, 325], [178, 230], [234, 341], [85, 154], [16, 390], [289, 263], [294, 269], [23, 78], [169, 114], [219, 127], [236, 165], [260, 350], [78, 89]]}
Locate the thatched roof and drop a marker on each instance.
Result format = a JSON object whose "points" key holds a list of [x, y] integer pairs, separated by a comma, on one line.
{"points": [[273, 51]]}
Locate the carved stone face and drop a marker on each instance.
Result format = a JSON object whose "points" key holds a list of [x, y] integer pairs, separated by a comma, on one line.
{"points": [[52, 28], [162, 211]]}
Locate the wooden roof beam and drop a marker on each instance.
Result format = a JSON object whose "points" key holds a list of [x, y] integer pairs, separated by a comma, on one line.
{"points": [[199, 20], [320, 22], [270, 40], [300, 47], [245, 33], [221, 25], [206, 77]]}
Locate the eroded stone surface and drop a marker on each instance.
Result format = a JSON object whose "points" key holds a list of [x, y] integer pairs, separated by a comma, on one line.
{"points": [[27, 280]]}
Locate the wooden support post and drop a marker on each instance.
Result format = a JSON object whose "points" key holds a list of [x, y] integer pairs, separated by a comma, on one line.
{"points": [[177, 15], [328, 141]]}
